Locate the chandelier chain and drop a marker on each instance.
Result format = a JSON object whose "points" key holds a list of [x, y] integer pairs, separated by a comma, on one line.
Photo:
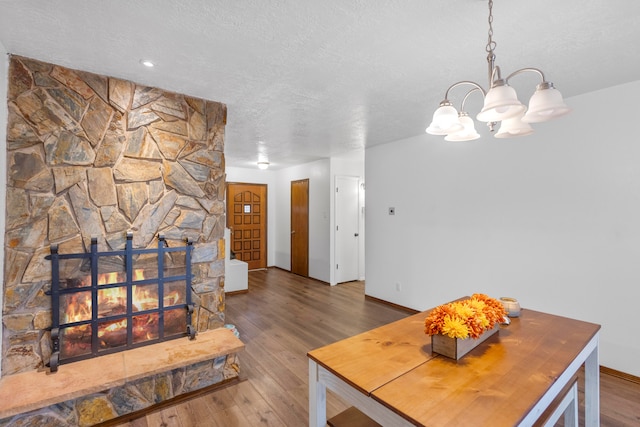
{"points": [[491, 45]]}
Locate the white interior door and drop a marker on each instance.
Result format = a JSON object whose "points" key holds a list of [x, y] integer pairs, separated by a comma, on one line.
{"points": [[347, 228]]}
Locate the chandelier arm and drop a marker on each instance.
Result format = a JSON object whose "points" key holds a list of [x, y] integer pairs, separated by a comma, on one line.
{"points": [[464, 82], [523, 70], [464, 100], [491, 65], [495, 76]]}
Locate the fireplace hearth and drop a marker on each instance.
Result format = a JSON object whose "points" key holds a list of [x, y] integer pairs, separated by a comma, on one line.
{"points": [[105, 302]]}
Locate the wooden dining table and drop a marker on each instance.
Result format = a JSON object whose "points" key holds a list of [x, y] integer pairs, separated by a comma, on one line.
{"points": [[391, 375]]}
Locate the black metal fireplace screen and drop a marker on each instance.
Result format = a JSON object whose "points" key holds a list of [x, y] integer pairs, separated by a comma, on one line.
{"points": [[111, 301]]}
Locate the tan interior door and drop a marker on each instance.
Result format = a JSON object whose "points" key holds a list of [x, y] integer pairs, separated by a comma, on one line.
{"points": [[247, 220], [300, 227]]}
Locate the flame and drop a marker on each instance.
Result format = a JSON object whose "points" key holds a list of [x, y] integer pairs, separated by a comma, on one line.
{"points": [[113, 301], [78, 308], [138, 274], [107, 278], [172, 299]]}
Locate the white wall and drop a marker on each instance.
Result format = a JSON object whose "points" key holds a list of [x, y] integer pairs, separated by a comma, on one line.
{"points": [[348, 164], [4, 81], [319, 212], [552, 219], [256, 176]]}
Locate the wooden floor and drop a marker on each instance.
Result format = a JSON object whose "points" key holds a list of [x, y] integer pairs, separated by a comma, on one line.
{"points": [[280, 319]]}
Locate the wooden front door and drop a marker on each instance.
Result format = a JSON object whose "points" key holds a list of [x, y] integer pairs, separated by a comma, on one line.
{"points": [[300, 227], [247, 220]]}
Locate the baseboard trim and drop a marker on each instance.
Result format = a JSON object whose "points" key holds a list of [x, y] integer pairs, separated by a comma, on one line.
{"points": [[619, 374], [398, 306]]}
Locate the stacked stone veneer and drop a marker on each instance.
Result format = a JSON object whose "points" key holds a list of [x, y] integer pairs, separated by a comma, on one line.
{"points": [[89, 155]]}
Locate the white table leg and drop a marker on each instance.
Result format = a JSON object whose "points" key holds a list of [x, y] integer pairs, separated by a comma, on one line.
{"points": [[571, 412], [317, 398], [592, 387]]}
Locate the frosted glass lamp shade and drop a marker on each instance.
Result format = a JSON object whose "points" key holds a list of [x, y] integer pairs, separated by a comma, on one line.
{"points": [[501, 102], [545, 104], [445, 120], [467, 133], [513, 127]]}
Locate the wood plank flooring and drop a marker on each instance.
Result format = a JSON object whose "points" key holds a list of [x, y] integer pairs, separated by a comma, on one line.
{"points": [[280, 319]]}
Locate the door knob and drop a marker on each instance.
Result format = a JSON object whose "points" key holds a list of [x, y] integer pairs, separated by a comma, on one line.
{"points": [[293, 231]]}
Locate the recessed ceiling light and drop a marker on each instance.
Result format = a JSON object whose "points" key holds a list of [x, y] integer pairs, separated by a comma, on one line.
{"points": [[147, 63]]}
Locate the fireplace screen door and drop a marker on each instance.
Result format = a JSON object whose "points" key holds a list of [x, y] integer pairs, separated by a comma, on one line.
{"points": [[103, 302]]}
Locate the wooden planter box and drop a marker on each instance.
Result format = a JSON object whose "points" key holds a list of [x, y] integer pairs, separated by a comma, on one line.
{"points": [[455, 348]]}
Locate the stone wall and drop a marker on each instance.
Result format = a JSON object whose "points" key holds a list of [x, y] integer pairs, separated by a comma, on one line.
{"points": [[89, 155]]}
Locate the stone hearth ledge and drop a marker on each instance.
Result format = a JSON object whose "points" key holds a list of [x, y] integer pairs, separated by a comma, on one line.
{"points": [[33, 390]]}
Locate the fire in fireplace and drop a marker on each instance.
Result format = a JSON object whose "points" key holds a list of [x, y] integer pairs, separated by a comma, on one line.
{"points": [[103, 302]]}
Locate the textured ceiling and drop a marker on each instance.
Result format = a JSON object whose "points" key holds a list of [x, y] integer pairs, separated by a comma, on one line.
{"points": [[307, 79]]}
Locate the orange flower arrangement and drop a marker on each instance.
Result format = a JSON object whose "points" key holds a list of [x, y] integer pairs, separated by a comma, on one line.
{"points": [[465, 319]]}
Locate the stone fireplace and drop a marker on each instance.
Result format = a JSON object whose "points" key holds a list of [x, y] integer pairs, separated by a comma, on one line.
{"points": [[95, 157]]}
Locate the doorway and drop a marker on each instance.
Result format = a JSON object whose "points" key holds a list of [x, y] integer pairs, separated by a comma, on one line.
{"points": [[300, 227], [247, 222], [347, 231]]}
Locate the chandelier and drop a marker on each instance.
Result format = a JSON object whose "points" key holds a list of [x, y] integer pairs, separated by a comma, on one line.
{"points": [[501, 104]]}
